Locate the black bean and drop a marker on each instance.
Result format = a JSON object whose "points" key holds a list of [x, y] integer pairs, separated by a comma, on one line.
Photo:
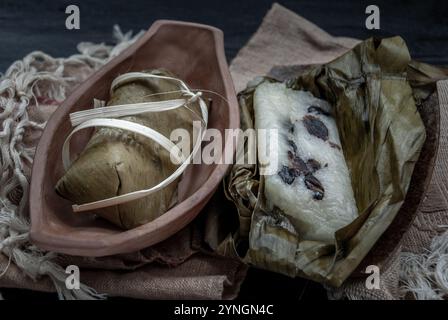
{"points": [[293, 145], [335, 146], [315, 127], [291, 127], [298, 164], [313, 184], [313, 165], [288, 175]]}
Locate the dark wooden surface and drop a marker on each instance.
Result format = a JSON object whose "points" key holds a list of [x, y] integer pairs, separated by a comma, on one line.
{"points": [[40, 25], [30, 25]]}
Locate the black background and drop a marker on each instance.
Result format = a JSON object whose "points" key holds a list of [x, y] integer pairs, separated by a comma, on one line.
{"points": [[40, 25]]}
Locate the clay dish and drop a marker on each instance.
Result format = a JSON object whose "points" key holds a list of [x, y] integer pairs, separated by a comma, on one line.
{"points": [[195, 53]]}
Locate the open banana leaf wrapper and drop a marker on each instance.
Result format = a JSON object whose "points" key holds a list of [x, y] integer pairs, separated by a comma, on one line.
{"points": [[374, 90]]}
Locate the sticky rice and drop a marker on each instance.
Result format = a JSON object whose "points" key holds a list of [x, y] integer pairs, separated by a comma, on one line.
{"points": [[311, 182]]}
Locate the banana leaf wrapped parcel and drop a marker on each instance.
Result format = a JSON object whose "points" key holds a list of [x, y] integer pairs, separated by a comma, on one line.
{"points": [[116, 162], [350, 135]]}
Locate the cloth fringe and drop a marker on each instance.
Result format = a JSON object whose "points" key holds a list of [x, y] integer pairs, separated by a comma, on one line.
{"points": [[420, 276], [426, 275], [38, 75]]}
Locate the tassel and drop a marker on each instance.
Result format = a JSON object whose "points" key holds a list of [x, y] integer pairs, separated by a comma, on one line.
{"points": [[38, 75]]}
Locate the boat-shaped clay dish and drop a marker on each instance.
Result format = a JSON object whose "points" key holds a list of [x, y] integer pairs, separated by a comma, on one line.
{"points": [[195, 53]]}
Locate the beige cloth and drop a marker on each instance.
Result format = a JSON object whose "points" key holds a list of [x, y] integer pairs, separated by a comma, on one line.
{"points": [[201, 277], [285, 38], [174, 269]]}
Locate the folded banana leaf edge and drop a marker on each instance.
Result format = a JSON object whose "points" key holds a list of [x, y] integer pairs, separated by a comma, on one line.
{"points": [[375, 90]]}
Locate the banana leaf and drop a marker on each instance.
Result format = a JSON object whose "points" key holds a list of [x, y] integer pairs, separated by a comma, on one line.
{"points": [[375, 90], [117, 162]]}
